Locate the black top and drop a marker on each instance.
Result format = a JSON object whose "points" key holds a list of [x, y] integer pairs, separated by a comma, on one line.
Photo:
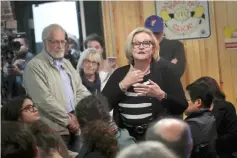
{"points": [[91, 86], [170, 49], [137, 110], [226, 121]]}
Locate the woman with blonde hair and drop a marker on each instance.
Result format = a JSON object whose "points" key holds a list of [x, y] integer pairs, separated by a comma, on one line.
{"points": [[144, 90], [88, 66]]}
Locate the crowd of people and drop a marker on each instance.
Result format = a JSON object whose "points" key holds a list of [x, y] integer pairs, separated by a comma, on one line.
{"points": [[81, 105]]}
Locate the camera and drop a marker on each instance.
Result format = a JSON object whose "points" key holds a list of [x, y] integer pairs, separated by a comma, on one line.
{"points": [[9, 47], [9, 50]]}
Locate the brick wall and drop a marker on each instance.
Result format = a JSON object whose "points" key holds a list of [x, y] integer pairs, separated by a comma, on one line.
{"points": [[7, 19]]}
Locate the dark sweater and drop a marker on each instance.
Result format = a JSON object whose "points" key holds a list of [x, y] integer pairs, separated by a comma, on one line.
{"points": [[203, 128], [170, 49], [135, 110], [226, 121]]}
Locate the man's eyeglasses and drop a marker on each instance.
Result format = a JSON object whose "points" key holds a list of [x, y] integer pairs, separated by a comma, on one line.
{"points": [[56, 42], [145, 44], [30, 108]]}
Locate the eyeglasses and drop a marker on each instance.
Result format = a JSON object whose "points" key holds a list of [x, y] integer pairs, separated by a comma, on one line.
{"points": [[30, 108], [145, 44], [89, 62], [56, 42]]}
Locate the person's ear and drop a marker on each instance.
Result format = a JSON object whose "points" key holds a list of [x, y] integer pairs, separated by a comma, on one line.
{"points": [[45, 44], [36, 150], [153, 50], [198, 102]]}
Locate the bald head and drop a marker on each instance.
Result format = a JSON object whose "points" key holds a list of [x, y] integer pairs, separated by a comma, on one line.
{"points": [[174, 133], [170, 129], [148, 149]]}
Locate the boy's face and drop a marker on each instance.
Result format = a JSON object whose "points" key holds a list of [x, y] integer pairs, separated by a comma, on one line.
{"points": [[193, 106]]}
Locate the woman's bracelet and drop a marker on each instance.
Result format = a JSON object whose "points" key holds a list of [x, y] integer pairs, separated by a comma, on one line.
{"points": [[122, 87]]}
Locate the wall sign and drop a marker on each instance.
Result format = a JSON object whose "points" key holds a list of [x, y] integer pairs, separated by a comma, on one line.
{"points": [[184, 19], [231, 37]]}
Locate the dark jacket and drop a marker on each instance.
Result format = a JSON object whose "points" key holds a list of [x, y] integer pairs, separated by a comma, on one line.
{"points": [[161, 74], [203, 128], [167, 63], [226, 121], [170, 49]]}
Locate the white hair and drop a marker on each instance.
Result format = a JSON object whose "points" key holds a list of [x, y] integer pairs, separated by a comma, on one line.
{"points": [[49, 29], [91, 54]]}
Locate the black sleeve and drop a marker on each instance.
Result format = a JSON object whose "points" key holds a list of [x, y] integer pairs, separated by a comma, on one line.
{"points": [[176, 102], [180, 55], [228, 141], [112, 90]]}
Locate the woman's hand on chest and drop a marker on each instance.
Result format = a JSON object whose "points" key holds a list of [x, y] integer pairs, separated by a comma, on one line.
{"points": [[150, 89]]}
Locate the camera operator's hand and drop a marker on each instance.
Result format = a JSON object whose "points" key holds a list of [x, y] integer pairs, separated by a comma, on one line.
{"points": [[19, 62], [14, 71]]}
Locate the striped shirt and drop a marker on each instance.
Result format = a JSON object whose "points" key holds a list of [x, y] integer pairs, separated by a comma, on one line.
{"points": [[134, 109]]}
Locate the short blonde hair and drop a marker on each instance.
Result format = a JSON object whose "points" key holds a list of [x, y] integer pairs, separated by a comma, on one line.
{"points": [[128, 46], [90, 54], [49, 29]]}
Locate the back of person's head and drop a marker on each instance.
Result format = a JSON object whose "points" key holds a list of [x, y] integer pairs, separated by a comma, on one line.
{"points": [[100, 137], [173, 133], [213, 86], [200, 93], [92, 108], [20, 108], [47, 140], [17, 141], [148, 149]]}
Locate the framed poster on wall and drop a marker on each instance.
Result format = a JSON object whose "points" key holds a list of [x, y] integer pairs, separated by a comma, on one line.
{"points": [[231, 37], [184, 19]]}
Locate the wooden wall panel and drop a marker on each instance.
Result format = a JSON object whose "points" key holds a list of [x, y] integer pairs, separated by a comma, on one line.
{"points": [[224, 17], [205, 57]]}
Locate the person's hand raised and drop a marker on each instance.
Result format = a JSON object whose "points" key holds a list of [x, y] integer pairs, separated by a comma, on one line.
{"points": [[132, 77]]}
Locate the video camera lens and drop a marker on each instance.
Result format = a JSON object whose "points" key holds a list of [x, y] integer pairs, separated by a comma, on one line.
{"points": [[15, 45]]}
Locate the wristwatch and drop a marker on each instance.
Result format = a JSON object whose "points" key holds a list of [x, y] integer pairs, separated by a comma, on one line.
{"points": [[165, 96]]}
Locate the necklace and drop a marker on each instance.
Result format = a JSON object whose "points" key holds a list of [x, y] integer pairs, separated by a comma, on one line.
{"points": [[147, 71]]}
